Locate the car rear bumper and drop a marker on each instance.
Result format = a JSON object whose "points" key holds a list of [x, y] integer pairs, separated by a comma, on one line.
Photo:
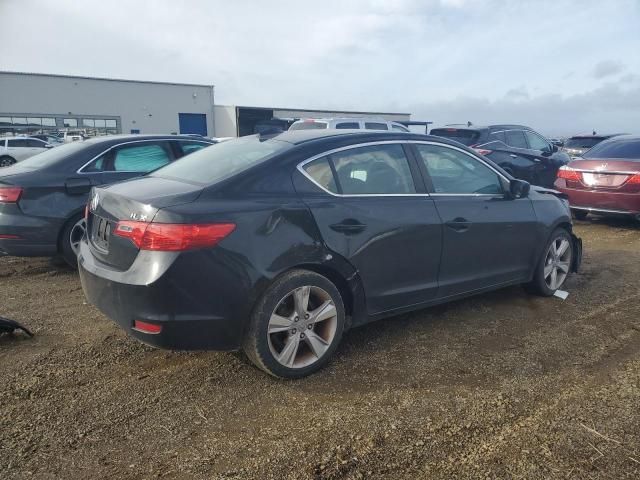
{"points": [[603, 202], [190, 318], [26, 236]]}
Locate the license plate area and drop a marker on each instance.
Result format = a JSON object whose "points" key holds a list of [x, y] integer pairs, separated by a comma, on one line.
{"points": [[610, 180], [100, 233]]}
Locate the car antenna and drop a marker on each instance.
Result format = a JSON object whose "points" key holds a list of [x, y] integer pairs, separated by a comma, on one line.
{"points": [[594, 132], [469, 124]]}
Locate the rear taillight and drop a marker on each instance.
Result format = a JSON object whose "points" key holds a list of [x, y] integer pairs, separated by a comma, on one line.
{"points": [[634, 179], [568, 173], [173, 237], [10, 194], [483, 151], [146, 327]]}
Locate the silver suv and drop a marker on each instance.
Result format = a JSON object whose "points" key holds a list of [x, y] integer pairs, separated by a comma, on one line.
{"points": [[347, 123]]}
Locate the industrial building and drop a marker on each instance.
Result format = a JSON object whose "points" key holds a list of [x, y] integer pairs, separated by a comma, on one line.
{"points": [[33, 103]]}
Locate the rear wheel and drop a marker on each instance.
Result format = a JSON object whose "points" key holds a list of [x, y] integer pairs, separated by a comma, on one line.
{"points": [[296, 325], [6, 161], [72, 234], [554, 266], [580, 214]]}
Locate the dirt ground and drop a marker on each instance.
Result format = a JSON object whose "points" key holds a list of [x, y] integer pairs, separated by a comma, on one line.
{"points": [[502, 385]]}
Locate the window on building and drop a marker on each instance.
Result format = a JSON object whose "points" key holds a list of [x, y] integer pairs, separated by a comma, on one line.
{"points": [[70, 122]]}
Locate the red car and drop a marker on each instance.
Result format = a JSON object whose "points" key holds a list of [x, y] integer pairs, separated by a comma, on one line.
{"points": [[605, 180]]}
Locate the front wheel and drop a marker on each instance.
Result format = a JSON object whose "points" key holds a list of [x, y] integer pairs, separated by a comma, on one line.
{"points": [[296, 326], [554, 266], [6, 161]]}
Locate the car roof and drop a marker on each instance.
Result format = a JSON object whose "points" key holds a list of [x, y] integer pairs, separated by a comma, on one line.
{"points": [[298, 137], [111, 138], [597, 135], [483, 127]]}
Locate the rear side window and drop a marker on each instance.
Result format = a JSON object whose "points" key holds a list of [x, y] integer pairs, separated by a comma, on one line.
{"points": [[189, 147], [17, 143], [375, 126], [516, 139], [464, 136], [308, 126], [347, 125], [141, 158], [32, 142], [619, 148], [454, 172], [374, 170]]}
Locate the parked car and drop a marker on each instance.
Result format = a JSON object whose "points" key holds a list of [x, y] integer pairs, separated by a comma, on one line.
{"points": [[51, 139], [277, 245], [606, 180], [42, 199], [17, 149], [519, 150], [347, 124], [577, 145]]}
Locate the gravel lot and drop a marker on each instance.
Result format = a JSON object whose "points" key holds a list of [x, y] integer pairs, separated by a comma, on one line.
{"points": [[502, 385]]}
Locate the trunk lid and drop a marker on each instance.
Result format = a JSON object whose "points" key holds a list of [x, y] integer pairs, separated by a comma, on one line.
{"points": [[135, 200], [605, 174]]}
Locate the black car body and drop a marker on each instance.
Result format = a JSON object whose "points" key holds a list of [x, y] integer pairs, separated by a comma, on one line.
{"points": [[42, 199], [578, 145], [519, 150], [192, 255]]}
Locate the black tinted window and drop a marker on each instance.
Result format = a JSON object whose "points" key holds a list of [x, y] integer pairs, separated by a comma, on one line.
{"points": [[375, 126], [627, 149], [347, 125], [582, 142], [320, 171], [379, 169], [452, 172], [212, 165], [466, 137], [16, 143], [32, 142], [516, 139], [536, 142]]}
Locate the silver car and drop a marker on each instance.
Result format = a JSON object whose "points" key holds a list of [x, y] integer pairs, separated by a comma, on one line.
{"points": [[347, 124], [16, 149]]}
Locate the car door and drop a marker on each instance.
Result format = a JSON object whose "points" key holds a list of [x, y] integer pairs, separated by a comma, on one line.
{"points": [[545, 167], [133, 159], [488, 238], [36, 146], [371, 208], [18, 149]]}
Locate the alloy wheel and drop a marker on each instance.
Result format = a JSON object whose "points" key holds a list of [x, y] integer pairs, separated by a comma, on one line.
{"points": [[76, 234], [557, 263], [6, 162], [302, 327]]}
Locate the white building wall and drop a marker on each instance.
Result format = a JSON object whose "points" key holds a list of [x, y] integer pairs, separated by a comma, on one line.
{"points": [[225, 121], [145, 106]]}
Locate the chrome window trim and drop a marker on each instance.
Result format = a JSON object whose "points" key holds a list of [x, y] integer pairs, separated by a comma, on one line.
{"points": [[301, 169], [602, 210], [80, 172]]}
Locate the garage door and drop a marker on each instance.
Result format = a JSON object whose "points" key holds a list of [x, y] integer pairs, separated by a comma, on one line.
{"points": [[193, 123]]}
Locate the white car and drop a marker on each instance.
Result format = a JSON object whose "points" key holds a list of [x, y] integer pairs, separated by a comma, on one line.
{"points": [[15, 149], [347, 123]]}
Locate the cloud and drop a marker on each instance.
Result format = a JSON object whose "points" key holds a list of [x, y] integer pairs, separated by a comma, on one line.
{"points": [[607, 68]]}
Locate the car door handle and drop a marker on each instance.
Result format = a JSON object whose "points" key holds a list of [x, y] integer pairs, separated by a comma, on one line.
{"points": [[513, 155], [348, 227], [459, 224], [537, 160]]}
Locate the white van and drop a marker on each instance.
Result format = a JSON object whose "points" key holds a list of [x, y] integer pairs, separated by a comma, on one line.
{"points": [[347, 123]]}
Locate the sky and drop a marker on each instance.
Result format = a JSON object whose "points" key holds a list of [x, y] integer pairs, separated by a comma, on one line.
{"points": [[561, 67]]}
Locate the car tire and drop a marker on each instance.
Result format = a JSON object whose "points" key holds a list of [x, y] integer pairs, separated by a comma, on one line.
{"points": [[557, 257], [7, 161], [70, 238], [580, 214], [288, 339]]}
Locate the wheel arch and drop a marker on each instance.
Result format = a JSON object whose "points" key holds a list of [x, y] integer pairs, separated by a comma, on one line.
{"points": [[64, 226]]}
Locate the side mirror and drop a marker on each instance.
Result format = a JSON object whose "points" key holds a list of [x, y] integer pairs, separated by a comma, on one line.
{"points": [[48, 145], [518, 188]]}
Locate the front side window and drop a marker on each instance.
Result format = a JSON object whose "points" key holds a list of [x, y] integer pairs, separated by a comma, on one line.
{"points": [[376, 126], [347, 125], [454, 172], [373, 170], [34, 143], [516, 139], [141, 158], [536, 142]]}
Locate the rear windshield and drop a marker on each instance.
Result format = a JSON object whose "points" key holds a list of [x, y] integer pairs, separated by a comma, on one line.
{"points": [[627, 149], [308, 126], [53, 155], [582, 142], [466, 137], [223, 160]]}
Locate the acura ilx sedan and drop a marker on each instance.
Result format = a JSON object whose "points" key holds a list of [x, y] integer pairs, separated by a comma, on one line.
{"points": [[276, 245]]}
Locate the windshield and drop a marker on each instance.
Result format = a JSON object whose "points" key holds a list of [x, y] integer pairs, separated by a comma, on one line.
{"points": [[582, 142], [466, 137], [52, 156], [222, 160], [307, 125], [626, 149]]}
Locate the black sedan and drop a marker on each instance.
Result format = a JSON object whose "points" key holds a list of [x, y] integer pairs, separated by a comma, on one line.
{"points": [[42, 199], [276, 245]]}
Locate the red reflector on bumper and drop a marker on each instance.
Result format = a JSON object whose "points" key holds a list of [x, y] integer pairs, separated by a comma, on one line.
{"points": [[146, 327], [9, 237]]}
